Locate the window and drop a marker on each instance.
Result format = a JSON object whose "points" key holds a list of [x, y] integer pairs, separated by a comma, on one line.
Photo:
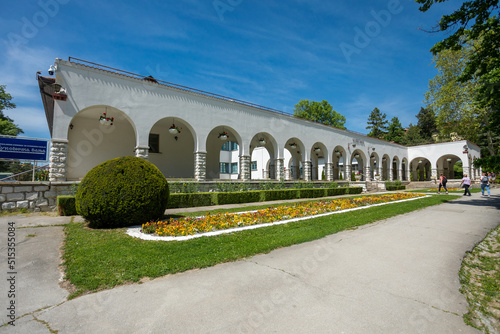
{"points": [[154, 143], [234, 168], [230, 146], [253, 165], [224, 167]]}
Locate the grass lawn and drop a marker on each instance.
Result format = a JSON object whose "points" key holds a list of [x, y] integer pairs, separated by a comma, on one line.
{"points": [[100, 259], [480, 279], [434, 190]]}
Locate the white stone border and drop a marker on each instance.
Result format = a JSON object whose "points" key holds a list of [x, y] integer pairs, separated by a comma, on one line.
{"points": [[135, 231]]}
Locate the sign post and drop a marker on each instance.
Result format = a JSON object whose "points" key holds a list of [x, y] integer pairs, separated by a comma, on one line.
{"points": [[15, 148]]}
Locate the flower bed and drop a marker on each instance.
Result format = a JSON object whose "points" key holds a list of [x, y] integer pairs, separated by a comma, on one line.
{"points": [[221, 221]]}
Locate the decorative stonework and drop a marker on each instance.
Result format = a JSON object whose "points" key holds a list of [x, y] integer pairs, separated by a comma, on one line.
{"points": [[434, 174], [142, 152], [307, 170], [329, 171], [245, 167], [280, 170], [200, 166], [58, 160], [367, 174], [347, 175], [391, 174]]}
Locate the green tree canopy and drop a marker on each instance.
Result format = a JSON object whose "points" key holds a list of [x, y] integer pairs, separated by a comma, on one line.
{"points": [[413, 136], [377, 124], [454, 101], [476, 23], [321, 112], [395, 131], [427, 122], [7, 126]]}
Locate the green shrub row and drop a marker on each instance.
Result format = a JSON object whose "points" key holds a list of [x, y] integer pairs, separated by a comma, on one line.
{"points": [[394, 187], [220, 198], [66, 204]]}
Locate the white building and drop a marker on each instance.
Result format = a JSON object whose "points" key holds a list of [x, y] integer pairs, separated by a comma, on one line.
{"points": [[102, 113]]}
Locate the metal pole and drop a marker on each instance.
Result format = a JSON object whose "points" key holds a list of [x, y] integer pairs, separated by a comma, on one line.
{"points": [[34, 167]]}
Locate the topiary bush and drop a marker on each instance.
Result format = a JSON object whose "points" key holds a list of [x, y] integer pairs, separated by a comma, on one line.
{"points": [[122, 192]]}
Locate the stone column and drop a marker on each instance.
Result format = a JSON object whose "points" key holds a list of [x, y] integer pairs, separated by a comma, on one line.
{"points": [[367, 175], [58, 167], [400, 174], [434, 174], [307, 170], [391, 174], [347, 175], [245, 168], [280, 171], [200, 166], [329, 171], [142, 152]]}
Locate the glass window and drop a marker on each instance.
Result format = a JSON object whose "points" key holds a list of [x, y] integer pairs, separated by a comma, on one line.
{"points": [[230, 146], [234, 168], [224, 168], [234, 146], [253, 166], [225, 146], [154, 143]]}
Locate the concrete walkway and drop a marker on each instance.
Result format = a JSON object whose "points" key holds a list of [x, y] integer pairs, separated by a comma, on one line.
{"points": [[395, 276]]}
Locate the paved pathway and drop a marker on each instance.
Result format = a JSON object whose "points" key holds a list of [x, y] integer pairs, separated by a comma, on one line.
{"points": [[394, 276]]}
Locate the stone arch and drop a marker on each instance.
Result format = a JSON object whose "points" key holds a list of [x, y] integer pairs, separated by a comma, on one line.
{"points": [[294, 169], [404, 169], [420, 169], [374, 166], [395, 168], [339, 163], [319, 157], [171, 146], [358, 162], [446, 164], [215, 142], [385, 167], [263, 146], [91, 142]]}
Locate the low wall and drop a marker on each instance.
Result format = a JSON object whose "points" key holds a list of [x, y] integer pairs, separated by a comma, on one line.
{"points": [[32, 196]]}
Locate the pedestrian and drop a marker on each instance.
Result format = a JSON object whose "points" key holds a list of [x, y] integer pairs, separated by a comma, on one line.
{"points": [[485, 184], [442, 183], [466, 183]]}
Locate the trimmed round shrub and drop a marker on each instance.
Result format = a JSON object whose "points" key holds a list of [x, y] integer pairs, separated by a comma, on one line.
{"points": [[122, 192]]}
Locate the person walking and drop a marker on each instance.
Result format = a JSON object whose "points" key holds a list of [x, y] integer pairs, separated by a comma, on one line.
{"points": [[466, 183], [442, 183], [485, 184]]}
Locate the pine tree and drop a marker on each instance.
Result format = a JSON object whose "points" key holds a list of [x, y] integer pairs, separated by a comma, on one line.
{"points": [[377, 123]]}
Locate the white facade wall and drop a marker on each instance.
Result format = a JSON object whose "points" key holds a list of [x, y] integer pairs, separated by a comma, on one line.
{"points": [[141, 108]]}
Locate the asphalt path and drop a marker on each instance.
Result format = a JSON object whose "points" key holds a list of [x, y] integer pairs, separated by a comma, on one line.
{"points": [[398, 275]]}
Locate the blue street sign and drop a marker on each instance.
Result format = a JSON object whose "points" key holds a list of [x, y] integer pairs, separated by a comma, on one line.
{"points": [[24, 149]]}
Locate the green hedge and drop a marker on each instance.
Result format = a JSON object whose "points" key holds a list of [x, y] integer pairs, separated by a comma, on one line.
{"points": [[278, 195], [354, 190], [66, 205], [188, 200], [220, 198], [235, 197], [394, 187]]}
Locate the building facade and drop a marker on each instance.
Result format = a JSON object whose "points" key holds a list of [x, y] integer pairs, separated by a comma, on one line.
{"points": [[96, 113]]}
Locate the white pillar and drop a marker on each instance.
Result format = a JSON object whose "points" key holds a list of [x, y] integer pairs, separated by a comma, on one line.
{"points": [[58, 167]]}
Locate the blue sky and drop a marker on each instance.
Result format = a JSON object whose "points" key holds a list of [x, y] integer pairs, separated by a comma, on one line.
{"points": [[357, 55]]}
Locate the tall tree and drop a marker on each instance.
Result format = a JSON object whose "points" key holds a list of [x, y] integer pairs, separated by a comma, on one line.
{"points": [[377, 124], [413, 136], [395, 131], [321, 112], [476, 20], [427, 122], [454, 100], [7, 126]]}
